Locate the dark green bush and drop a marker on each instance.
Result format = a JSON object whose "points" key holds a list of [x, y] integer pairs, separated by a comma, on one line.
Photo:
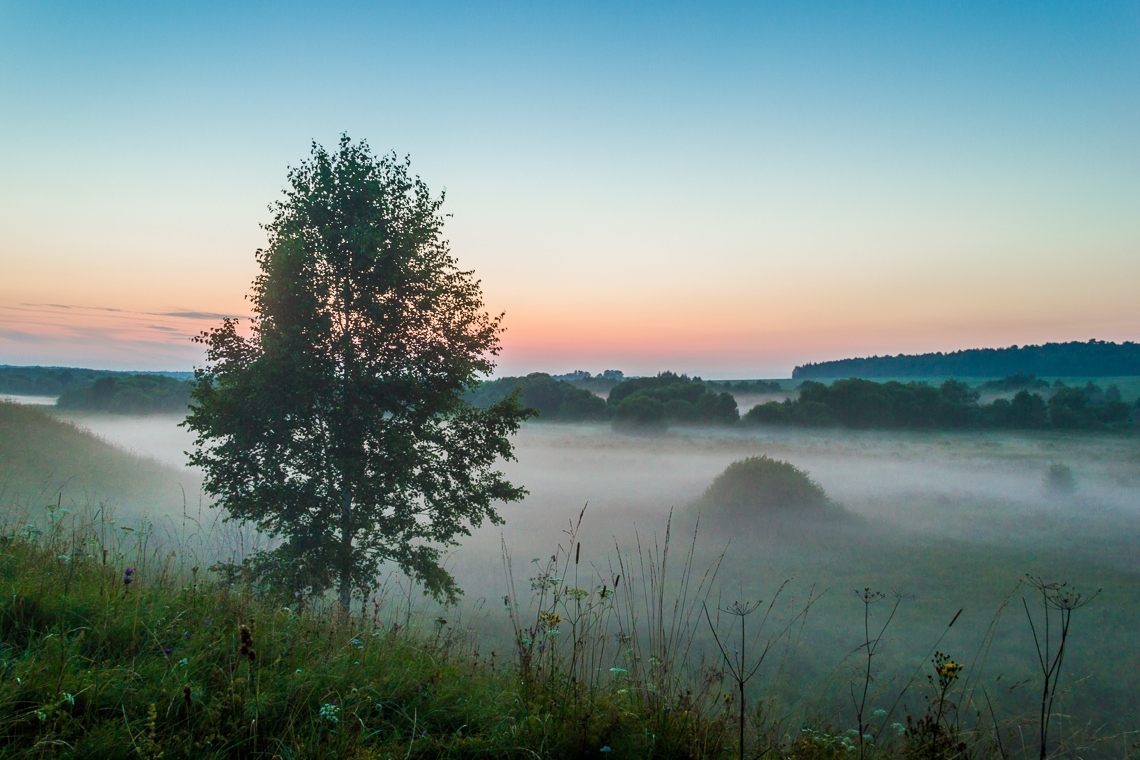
{"points": [[681, 400], [554, 400], [1059, 480], [759, 487]]}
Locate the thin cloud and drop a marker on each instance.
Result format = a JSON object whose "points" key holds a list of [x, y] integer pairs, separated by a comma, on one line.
{"points": [[19, 337], [196, 315], [72, 306], [188, 314]]}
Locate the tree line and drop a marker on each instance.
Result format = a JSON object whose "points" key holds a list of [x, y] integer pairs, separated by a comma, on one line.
{"points": [[1095, 358], [128, 394], [53, 381], [637, 403], [865, 404]]}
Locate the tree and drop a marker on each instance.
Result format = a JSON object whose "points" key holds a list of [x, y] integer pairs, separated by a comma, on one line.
{"points": [[337, 425], [549, 398]]}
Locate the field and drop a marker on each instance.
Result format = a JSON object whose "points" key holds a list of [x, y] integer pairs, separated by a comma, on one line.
{"points": [[944, 522], [953, 521]]}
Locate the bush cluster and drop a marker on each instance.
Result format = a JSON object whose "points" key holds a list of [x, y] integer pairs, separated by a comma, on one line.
{"points": [[553, 400], [643, 403], [858, 403], [648, 402]]}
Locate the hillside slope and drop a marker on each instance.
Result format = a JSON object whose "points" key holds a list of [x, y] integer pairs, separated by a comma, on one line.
{"points": [[46, 459]]}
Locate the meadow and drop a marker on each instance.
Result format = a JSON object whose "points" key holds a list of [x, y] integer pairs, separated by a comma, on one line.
{"points": [[946, 525]]}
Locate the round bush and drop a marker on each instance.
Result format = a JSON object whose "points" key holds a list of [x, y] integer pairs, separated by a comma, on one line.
{"points": [[1059, 480], [762, 486]]}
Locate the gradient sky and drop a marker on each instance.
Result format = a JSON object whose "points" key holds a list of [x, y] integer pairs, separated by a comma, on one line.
{"points": [[722, 189]]}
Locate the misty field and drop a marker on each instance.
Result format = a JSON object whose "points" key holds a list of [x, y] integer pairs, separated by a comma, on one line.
{"points": [[952, 521], [946, 525]]}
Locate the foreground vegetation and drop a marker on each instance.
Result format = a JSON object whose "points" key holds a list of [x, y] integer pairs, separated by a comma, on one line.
{"points": [[112, 647], [114, 644], [122, 653], [618, 659]]}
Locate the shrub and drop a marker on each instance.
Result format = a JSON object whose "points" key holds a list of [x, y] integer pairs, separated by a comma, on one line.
{"points": [[758, 487], [1059, 480]]}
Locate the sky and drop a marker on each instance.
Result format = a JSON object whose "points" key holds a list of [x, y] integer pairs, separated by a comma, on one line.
{"points": [[723, 189]]}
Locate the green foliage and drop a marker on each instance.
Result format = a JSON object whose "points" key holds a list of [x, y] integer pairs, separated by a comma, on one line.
{"points": [[640, 413], [551, 399], [338, 425], [1096, 358], [601, 383], [652, 402], [745, 386], [174, 665], [1016, 381], [130, 394], [759, 487], [866, 404], [53, 381], [44, 381], [1025, 411]]}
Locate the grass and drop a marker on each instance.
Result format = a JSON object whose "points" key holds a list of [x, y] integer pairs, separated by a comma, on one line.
{"points": [[117, 650], [45, 458], [117, 646], [618, 656]]}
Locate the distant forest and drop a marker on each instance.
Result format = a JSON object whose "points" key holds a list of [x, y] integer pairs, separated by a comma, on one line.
{"points": [[642, 402], [52, 381], [1096, 358], [128, 394], [865, 404]]}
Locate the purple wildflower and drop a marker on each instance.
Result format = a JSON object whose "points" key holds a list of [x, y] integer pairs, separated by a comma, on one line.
{"points": [[168, 650]]}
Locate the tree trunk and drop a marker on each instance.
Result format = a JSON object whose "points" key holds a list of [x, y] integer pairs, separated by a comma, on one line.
{"points": [[345, 549]]}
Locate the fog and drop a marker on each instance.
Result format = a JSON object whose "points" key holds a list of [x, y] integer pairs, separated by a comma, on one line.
{"points": [[156, 436], [949, 520], [981, 487]]}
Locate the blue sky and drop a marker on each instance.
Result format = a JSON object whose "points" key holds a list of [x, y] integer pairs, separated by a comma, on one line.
{"points": [[728, 189]]}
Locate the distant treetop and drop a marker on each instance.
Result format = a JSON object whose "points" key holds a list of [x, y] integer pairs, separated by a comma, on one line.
{"points": [[1096, 358]]}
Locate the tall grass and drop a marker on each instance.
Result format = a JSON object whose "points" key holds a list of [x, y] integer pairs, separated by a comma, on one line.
{"points": [[172, 660]]}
